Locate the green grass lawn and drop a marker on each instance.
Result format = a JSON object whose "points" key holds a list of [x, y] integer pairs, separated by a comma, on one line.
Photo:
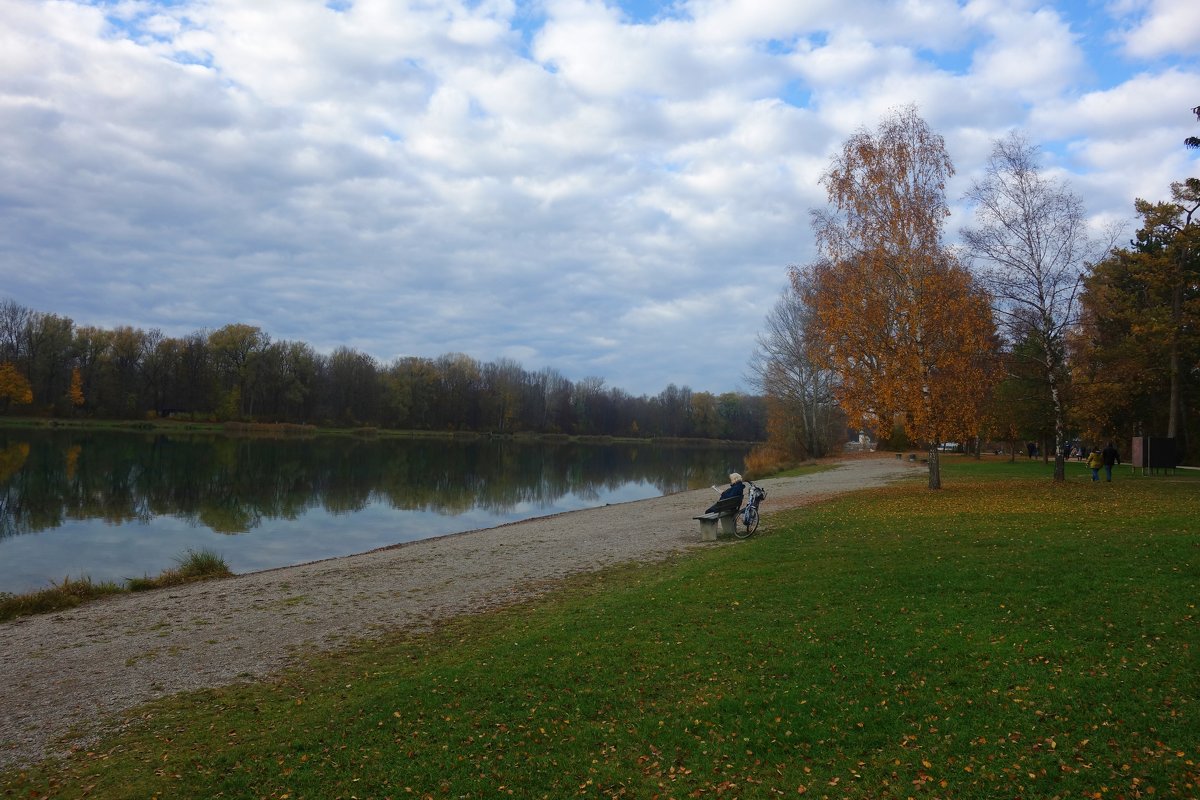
{"points": [[1002, 638]]}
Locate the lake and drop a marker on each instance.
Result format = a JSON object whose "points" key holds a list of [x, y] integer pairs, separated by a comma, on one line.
{"points": [[112, 505]]}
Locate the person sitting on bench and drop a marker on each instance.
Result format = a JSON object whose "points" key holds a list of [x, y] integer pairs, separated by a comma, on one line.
{"points": [[736, 489]]}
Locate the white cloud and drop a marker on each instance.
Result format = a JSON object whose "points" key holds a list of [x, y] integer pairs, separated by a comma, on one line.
{"points": [[599, 56], [1031, 54], [1164, 28], [1145, 101], [849, 59]]}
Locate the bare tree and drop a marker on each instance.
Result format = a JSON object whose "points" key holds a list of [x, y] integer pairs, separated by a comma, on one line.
{"points": [[14, 318], [783, 369], [1032, 240]]}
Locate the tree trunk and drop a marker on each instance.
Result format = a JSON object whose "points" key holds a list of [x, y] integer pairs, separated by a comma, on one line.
{"points": [[935, 468], [1060, 469], [811, 423], [1176, 401]]}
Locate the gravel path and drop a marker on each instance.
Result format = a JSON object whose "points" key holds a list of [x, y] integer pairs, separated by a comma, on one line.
{"points": [[78, 671]]}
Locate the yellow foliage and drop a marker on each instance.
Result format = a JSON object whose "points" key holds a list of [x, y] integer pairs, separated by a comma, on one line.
{"points": [[73, 460], [75, 393], [895, 315], [12, 458], [14, 387]]}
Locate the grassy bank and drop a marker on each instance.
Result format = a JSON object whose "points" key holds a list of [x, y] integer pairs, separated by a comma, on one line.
{"points": [[195, 566], [1001, 638]]}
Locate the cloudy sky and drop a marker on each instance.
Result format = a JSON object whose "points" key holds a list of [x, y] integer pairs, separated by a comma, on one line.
{"points": [[612, 189]]}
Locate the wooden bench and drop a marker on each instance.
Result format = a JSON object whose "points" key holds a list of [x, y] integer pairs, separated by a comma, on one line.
{"points": [[721, 520]]}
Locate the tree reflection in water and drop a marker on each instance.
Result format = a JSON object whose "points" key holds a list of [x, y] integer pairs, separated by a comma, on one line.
{"points": [[231, 485]]}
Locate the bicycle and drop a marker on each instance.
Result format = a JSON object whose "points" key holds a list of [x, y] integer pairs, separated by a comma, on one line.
{"points": [[746, 521]]}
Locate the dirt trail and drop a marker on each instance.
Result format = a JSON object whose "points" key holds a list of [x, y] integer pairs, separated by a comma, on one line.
{"points": [[79, 670]]}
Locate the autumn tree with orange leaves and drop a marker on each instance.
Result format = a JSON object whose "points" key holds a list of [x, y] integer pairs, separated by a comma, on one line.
{"points": [[75, 392], [14, 387], [898, 318]]}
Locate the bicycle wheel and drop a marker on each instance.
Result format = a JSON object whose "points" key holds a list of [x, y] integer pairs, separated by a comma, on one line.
{"points": [[747, 523]]}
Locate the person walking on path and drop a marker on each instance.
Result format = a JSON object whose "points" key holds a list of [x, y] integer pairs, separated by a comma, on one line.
{"points": [[1095, 462], [1110, 457]]}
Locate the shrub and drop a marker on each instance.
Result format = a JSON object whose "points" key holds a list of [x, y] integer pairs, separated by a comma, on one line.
{"points": [[202, 564], [194, 566], [59, 597], [766, 460]]}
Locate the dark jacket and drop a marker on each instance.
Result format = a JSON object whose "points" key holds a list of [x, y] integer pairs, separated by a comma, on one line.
{"points": [[734, 490], [1111, 456]]}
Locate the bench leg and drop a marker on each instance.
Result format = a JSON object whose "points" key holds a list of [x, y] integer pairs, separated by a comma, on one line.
{"points": [[728, 524], [708, 530]]}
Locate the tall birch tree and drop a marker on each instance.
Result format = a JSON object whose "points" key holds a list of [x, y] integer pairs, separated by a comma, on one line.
{"points": [[1031, 243], [897, 317]]}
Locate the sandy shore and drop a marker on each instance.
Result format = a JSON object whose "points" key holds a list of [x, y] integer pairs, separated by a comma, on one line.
{"points": [[78, 671]]}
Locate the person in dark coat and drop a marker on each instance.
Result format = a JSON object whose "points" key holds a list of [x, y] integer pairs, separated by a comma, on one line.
{"points": [[736, 489], [1110, 456]]}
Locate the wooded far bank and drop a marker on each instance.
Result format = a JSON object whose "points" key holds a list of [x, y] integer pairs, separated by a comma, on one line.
{"points": [[51, 367]]}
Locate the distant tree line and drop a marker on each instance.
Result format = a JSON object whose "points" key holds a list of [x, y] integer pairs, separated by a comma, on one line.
{"points": [[51, 366]]}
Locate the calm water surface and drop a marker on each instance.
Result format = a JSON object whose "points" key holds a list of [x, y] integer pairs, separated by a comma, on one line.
{"points": [[117, 505]]}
